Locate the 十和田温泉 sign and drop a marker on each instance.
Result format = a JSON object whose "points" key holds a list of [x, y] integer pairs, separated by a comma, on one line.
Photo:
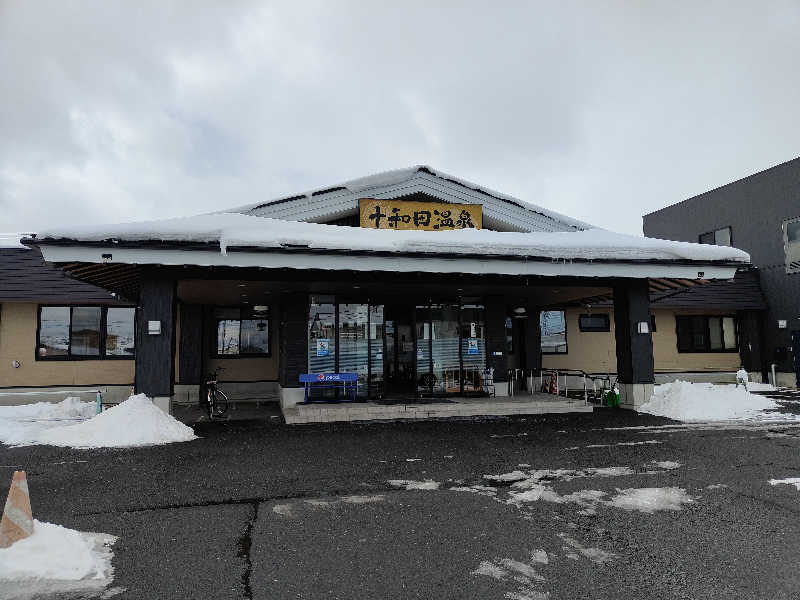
{"points": [[424, 216]]}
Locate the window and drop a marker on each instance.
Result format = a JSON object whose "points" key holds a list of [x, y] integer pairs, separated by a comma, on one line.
{"points": [[719, 237], [599, 322], [242, 332], [706, 334], [85, 332], [553, 327], [791, 244], [509, 335], [120, 338]]}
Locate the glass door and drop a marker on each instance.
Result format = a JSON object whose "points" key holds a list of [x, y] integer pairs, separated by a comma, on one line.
{"points": [[399, 351], [445, 360], [473, 347], [354, 343]]}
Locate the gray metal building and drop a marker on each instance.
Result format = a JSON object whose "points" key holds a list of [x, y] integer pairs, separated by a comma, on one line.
{"points": [[761, 215]]}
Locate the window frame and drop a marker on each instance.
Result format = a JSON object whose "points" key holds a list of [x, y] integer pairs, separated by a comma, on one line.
{"points": [[604, 329], [103, 334], [566, 334], [215, 332], [508, 333], [713, 233], [791, 249], [708, 349]]}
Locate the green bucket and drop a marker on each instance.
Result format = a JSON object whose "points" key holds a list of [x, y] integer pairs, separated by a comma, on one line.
{"points": [[611, 399]]}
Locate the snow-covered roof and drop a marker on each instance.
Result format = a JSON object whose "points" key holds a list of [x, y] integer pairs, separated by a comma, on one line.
{"points": [[500, 211], [12, 240], [233, 230]]}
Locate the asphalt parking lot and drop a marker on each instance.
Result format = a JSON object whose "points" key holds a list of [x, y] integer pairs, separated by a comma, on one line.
{"points": [[256, 510]]}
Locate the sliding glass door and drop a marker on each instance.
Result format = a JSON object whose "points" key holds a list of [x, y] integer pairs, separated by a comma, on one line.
{"points": [[451, 348]]}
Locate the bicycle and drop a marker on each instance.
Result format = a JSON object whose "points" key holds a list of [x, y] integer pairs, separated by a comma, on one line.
{"points": [[216, 400]]}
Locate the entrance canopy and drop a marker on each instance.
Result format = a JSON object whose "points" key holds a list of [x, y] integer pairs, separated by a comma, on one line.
{"points": [[241, 241]]}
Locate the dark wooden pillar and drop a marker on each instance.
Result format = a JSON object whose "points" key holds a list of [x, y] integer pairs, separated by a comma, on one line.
{"points": [[634, 347], [533, 340], [293, 342], [191, 344], [496, 336], [155, 362], [750, 347]]}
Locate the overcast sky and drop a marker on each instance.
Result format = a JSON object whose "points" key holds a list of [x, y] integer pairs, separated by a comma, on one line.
{"points": [[115, 111]]}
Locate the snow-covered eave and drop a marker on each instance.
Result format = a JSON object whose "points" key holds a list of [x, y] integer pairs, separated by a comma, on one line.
{"points": [[158, 252]]}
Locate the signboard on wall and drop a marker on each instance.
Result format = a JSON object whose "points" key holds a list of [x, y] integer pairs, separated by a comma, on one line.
{"points": [[323, 347], [422, 216]]}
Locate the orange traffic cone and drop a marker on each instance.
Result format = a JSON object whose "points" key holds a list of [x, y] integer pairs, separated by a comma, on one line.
{"points": [[17, 521]]}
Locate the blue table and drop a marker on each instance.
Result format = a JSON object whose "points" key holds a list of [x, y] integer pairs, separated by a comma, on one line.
{"points": [[348, 382]]}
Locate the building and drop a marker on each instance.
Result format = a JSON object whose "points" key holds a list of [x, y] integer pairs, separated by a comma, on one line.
{"points": [[582, 337], [58, 333], [761, 215], [417, 281]]}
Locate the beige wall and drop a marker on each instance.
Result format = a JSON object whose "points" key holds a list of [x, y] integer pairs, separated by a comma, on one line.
{"points": [[665, 347], [595, 352], [591, 352], [18, 341], [241, 369]]}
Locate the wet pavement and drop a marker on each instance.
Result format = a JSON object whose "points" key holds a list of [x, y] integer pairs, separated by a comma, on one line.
{"points": [[255, 509]]}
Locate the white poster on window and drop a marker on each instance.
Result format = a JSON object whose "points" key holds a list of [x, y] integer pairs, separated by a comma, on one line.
{"points": [[323, 346], [472, 346]]}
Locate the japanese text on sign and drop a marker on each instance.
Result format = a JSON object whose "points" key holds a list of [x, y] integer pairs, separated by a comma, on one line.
{"points": [[427, 216]]}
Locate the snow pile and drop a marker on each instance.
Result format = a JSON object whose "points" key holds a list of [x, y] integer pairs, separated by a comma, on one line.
{"points": [[795, 481], [134, 422], [24, 425], [56, 553], [686, 401], [69, 408]]}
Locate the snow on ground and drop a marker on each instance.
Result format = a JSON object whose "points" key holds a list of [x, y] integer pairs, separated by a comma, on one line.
{"points": [[535, 485], [795, 481], [754, 386], [667, 465], [649, 500], [409, 484], [134, 422], [24, 425], [55, 553], [686, 401]]}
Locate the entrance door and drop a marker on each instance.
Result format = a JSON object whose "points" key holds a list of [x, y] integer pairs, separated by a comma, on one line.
{"points": [[399, 351], [796, 354]]}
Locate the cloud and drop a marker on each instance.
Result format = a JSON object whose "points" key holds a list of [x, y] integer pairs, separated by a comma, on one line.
{"points": [[127, 111]]}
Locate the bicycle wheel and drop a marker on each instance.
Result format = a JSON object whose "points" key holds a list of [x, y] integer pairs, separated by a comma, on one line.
{"points": [[220, 404]]}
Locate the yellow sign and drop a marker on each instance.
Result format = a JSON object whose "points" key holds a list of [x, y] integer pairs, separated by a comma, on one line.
{"points": [[424, 216]]}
